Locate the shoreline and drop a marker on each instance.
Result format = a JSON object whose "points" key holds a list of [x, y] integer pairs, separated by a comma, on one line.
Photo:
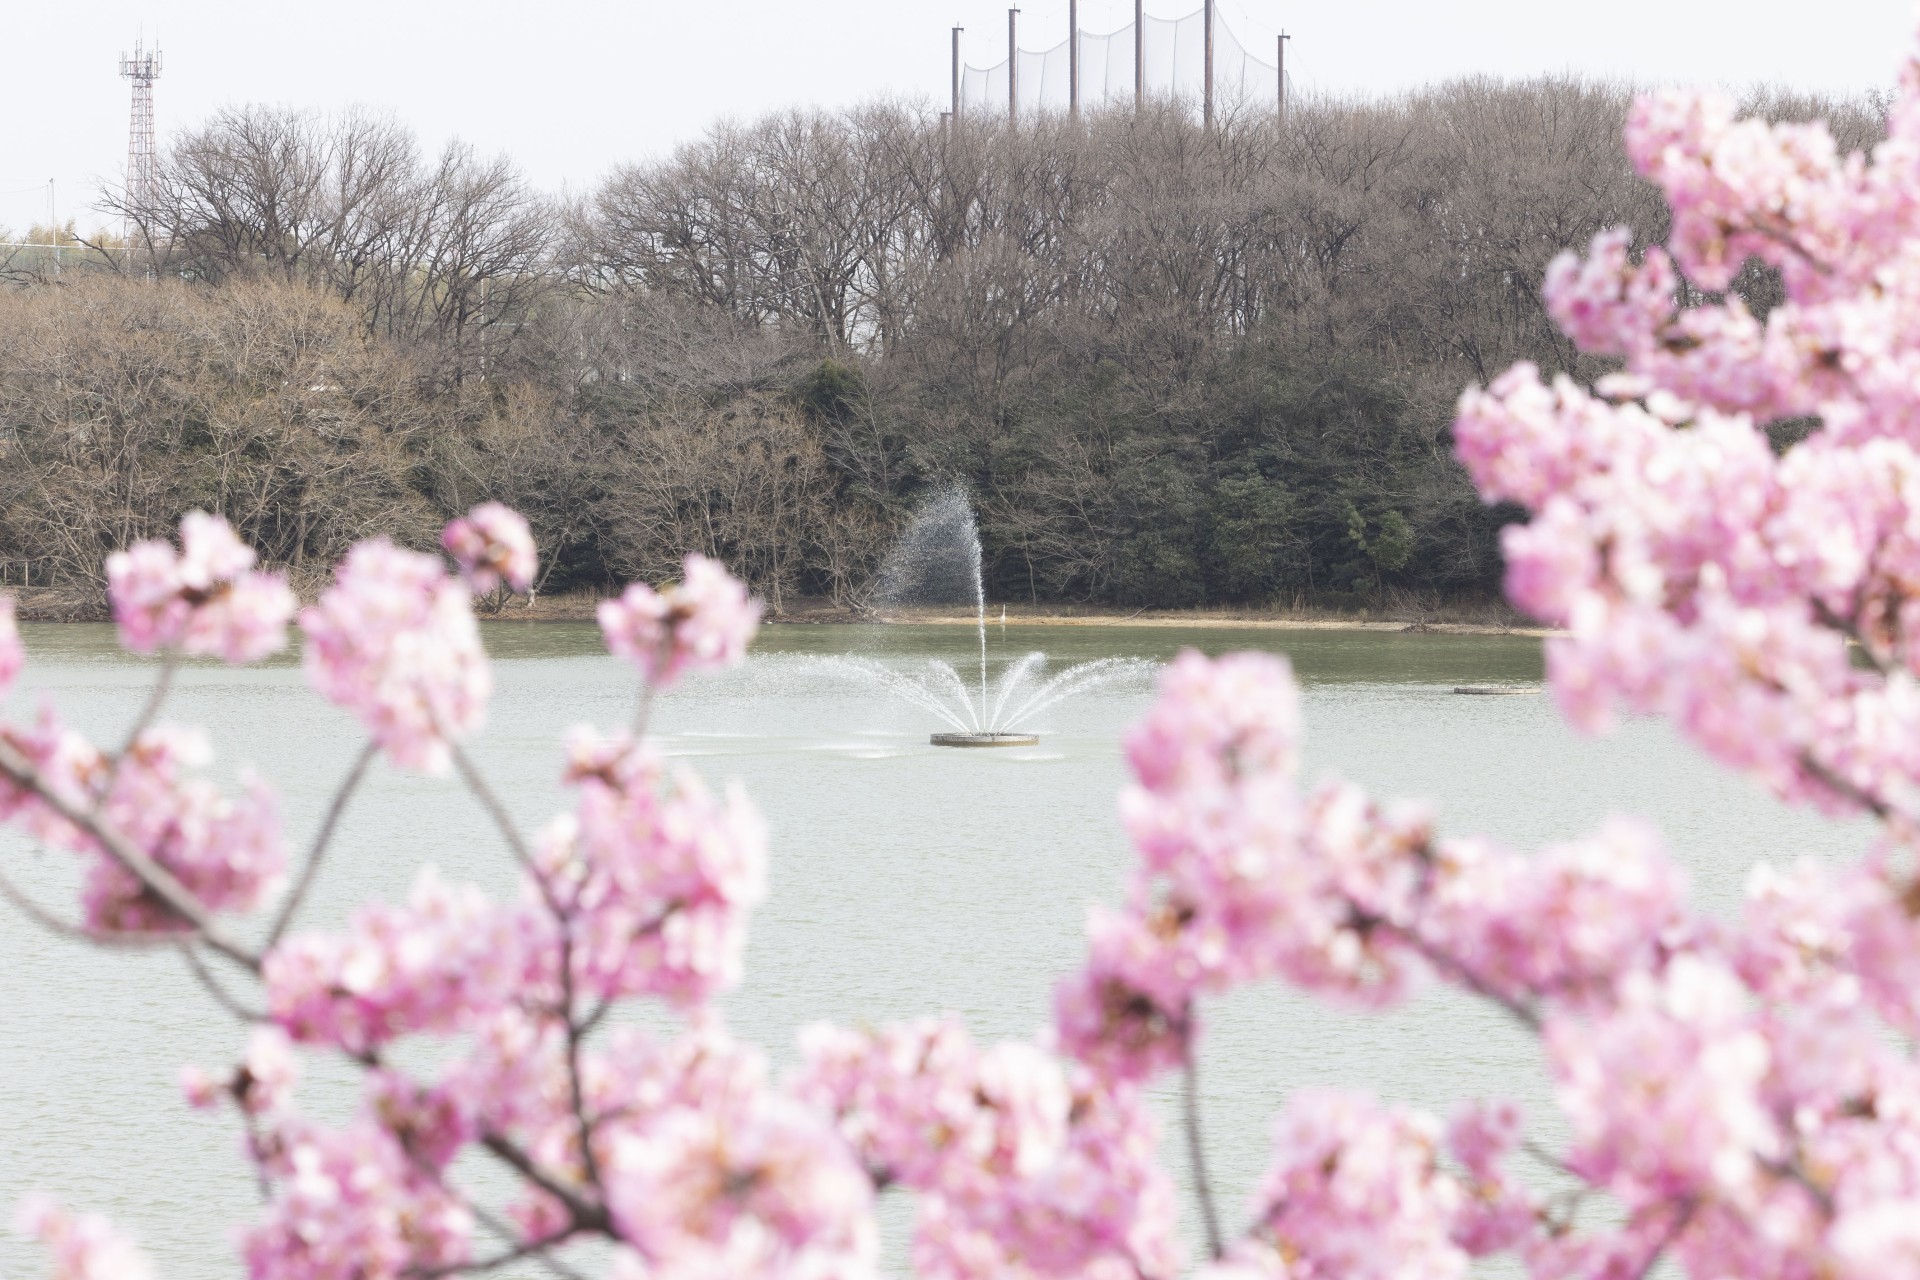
{"points": [[51, 605], [1199, 620]]}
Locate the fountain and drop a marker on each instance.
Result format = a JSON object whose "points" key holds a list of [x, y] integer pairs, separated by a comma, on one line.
{"points": [[937, 561]]}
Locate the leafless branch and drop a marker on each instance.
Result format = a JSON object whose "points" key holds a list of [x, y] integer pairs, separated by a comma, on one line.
{"points": [[321, 840]]}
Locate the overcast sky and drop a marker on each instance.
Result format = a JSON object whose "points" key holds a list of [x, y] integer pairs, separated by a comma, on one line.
{"points": [[572, 87]]}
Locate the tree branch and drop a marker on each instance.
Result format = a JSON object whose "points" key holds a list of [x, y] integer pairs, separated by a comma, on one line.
{"points": [[162, 686], [79, 933], [586, 1215], [1834, 782], [155, 878], [470, 775], [1196, 1155], [498, 1260], [198, 968], [322, 838]]}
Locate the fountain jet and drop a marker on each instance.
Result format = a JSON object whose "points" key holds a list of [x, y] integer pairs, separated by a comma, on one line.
{"points": [[938, 562]]}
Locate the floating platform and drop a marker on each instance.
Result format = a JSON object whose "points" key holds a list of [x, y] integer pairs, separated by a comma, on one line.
{"points": [[1495, 690], [985, 739]]}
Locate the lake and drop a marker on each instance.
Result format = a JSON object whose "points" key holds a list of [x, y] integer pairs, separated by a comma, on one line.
{"points": [[905, 879]]}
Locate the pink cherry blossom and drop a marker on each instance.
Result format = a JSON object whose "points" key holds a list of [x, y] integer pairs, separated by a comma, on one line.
{"points": [[1567, 922], [204, 599], [1497, 1212], [68, 767], [659, 874], [1026, 1166], [702, 622], [1217, 722], [1129, 1015], [84, 1246], [226, 852], [748, 1186], [352, 1205], [492, 544], [394, 641], [1354, 1191], [1684, 1047], [438, 964], [261, 1085]]}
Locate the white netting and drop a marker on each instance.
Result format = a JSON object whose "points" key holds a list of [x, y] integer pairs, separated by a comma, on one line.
{"points": [[1106, 66], [1173, 51], [1238, 75], [1174, 54]]}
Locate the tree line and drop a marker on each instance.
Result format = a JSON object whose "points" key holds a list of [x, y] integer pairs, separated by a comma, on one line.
{"points": [[1174, 365]]}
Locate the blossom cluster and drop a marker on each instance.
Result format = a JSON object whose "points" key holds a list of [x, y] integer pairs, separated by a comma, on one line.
{"points": [[206, 598], [658, 873], [1025, 1165], [395, 642], [224, 851], [703, 621], [492, 544], [1763, 601]]}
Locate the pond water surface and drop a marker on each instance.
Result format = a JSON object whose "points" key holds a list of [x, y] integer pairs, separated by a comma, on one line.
{"points": [[904, 879]]}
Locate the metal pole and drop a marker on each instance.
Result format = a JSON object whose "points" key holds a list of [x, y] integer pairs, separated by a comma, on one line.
{"points": [[956, 71], [1281, 43], [1206, 109], [1073, 59], [1139, 53], [1013, 67]]}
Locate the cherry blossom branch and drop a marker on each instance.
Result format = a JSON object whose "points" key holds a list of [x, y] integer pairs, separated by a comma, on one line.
{"points": [[1683, 1218], [586, 1215], [226, 999], [508, 1235], [162, 686], [1833, 621], [321, 840], [499, 1260], [1196, 1155], [155, 878], [502, 820], [1834, 782], [1546, 1157], [78, 933], [577, 1095]]}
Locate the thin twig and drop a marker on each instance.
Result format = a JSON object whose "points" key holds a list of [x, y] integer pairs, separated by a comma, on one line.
{"points": [[1683, 1218], [586, 1215], [594, 1019], [322, 838], [1546, 1157], [198, 968], [1472, 981], [587, 1158], [1834, 782], [1833, 621], [470, 775], [162, 686], [498, 1260], [1196, 1156], [155, 878]]}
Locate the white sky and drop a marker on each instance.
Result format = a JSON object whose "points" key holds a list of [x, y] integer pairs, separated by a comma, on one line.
{"points": [[571, 87]]}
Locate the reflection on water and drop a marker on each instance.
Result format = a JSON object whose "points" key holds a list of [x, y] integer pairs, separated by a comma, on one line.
{"points": [[905, 880]]}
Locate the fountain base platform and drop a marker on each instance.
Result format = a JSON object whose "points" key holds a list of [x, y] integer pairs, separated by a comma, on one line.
{"points": [[985, 739]]}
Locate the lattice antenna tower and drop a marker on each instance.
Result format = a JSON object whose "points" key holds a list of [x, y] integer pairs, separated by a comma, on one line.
{"points": [[141, 68]]}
